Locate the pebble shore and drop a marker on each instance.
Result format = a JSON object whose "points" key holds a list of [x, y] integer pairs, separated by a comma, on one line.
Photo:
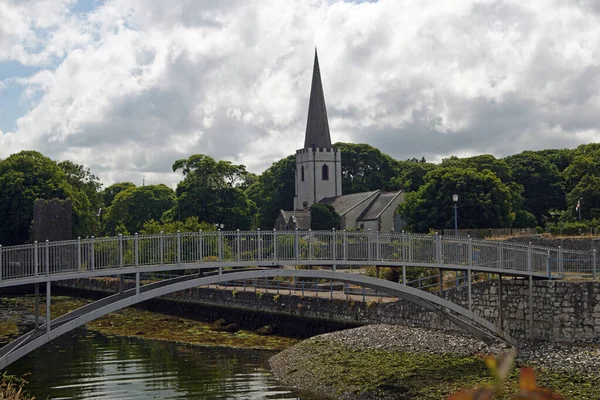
{"points": [[580, 358]]}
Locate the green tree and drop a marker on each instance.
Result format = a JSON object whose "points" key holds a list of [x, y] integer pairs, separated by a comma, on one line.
{"points": [[273, 191], [365, 168], [109, 194], [588, 190], [411, 174], [135, 206], [481, 163], [191, 224], [485, 202], [27, 176], [86, 188], [542, 183], [323, 217], [211, 190]]}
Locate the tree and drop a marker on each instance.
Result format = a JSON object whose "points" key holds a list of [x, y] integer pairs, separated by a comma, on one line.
{"points": [[411, 174], [135, 206], [211, 190], [485, 202], [365, 168], [109, 194], [481, 163], [542, 183], [588, 190], [27, 176], [273, 191], [323, 217], [87, 192]]}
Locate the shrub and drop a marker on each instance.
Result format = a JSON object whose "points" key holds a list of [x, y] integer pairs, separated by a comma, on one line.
{"points": [[276, 298]]}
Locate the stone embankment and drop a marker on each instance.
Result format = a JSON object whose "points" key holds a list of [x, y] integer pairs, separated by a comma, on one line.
{"points": [[400, 362], [562, 310]]}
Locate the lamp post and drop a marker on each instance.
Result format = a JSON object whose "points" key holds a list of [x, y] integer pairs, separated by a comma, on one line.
{"points": [[455, 200]]}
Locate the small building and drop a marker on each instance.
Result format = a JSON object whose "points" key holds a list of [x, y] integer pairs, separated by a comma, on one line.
{"points": [[319, 179]]}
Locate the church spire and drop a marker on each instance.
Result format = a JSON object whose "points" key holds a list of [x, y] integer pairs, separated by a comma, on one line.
{"points": [[317, 127]]}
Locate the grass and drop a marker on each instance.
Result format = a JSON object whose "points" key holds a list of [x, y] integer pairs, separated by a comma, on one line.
{"points": [[132, 322], [417, 375]]}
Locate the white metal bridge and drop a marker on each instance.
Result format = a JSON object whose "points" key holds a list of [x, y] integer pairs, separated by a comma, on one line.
{"points": [[215, 257]]}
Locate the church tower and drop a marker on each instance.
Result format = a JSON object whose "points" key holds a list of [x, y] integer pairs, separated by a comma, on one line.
{"points": [[318, 164]]}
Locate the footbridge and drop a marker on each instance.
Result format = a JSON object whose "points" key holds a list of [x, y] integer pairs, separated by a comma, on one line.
{"points": [[205, 258]]}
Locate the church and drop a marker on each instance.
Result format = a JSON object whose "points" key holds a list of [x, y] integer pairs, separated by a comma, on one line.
{"points": [[319, 179]]}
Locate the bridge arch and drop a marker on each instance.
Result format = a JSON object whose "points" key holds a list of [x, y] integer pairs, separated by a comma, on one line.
{"points": [[458, 315]]}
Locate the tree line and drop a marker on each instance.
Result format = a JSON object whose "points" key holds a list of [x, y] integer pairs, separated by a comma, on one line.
{"points": [[530, 189]]}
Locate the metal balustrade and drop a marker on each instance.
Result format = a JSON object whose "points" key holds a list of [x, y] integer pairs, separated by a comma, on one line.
{"points": [[279, 248]]}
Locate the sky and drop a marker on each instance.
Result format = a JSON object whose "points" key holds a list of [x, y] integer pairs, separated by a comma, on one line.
{"points": [[127, 87]]}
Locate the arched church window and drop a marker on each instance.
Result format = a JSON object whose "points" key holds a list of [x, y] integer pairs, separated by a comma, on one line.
{"points": [[325, 172], [302, 173]]}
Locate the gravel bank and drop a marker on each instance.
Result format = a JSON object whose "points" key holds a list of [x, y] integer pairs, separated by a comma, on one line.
{"points": [[335, 364]]}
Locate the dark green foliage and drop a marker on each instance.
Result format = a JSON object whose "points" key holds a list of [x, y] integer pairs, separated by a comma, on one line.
{"points": [[211, 190], [273, 191], [484, 202], [323, 217], [27, 176], [411, 175], [365, 168], [542, 183], [135, 206], [109, 194]]}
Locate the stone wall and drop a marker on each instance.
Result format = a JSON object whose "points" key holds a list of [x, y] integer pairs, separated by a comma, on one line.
{"points": [[562, 310], [52, 220]]}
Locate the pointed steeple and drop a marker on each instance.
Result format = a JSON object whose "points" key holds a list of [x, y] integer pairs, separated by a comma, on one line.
{"points": [[317, 127]]}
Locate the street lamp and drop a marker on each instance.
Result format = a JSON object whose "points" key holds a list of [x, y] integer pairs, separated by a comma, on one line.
{"points": [[455, 200]]}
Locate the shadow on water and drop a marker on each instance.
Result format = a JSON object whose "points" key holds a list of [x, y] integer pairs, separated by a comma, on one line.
{"points": [[86, 365]]}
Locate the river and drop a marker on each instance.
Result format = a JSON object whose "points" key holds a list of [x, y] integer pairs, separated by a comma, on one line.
{"points": [[89, 365]]}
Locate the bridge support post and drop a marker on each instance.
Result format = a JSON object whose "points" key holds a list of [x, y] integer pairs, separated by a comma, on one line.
{"points": [[0, 262], [220, 250], [36, 260], [470, 291], [274, 244], [530, 307], [594, 260], [48, 307], [178, 246], [93, 258], [404, 252], [120, 250], [78, 253], [345, 244], [441, 278], [137, 283], [369, 249], [500, 308], [377, 271], [47, 257], [37, 305], [560, 262], [161, 242], [259, 244], [334, 242], [296, 255]]}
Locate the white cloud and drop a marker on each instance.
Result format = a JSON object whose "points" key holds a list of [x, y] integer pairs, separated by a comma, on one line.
{"points": [[139, 84]]}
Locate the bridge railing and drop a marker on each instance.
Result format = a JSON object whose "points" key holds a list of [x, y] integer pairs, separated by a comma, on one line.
{"points": [[288, 247]]}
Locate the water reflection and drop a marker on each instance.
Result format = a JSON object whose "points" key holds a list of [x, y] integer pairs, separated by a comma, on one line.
{"points": [[84, 365]]}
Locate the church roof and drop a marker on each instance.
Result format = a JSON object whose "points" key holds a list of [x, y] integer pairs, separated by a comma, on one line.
{"points": [[343, 204], [317, 127], [377, 207]]}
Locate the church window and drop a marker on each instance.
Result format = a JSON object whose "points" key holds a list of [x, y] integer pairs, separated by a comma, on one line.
{"points": [[302, 173], [325, 172]]}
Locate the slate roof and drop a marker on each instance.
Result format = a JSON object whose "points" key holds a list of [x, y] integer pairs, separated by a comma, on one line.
{"points": [[302, 219], [343, 204], [317, 127], [378, 206]]}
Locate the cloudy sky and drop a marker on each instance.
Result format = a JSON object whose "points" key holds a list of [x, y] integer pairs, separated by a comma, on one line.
{"points": [[127, 87]]}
